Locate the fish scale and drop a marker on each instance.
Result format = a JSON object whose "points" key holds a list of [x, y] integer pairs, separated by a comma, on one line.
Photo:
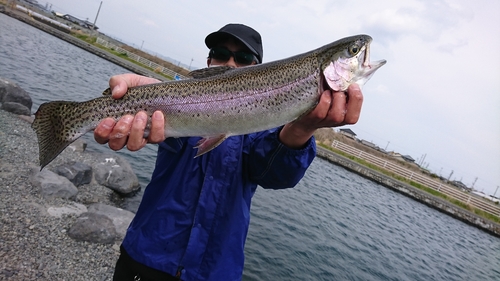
{"points": [[220, 101]]}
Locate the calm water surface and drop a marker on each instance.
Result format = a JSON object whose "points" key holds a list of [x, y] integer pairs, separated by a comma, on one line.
{"points": [[335, 225]]}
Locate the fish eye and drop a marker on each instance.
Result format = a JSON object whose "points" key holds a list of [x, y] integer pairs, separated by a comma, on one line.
{"points": [[354, 49]]}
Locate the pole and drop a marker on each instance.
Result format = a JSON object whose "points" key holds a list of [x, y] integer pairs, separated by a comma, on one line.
{"points": [[450, 175], [93, 26], [495, 191], [422, 159], [474, 183]]}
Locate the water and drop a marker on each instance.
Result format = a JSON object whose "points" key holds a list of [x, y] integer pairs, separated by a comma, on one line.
{"points": [[51, 69], [335, 225]]}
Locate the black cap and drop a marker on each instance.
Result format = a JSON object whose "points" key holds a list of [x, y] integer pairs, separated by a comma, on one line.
{"points": [[243, 33]]}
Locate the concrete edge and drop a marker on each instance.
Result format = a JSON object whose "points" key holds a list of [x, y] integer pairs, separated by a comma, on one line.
{"points": [[412, 192]]}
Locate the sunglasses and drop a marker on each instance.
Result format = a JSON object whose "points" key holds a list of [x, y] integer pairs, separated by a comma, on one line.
{"points": [[240, 57]]}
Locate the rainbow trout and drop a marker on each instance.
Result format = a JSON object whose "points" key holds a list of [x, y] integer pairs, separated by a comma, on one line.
{"points": [[217, 102]]}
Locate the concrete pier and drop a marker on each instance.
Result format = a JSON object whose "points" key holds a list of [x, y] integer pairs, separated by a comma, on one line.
{"points": [[412, 192]]}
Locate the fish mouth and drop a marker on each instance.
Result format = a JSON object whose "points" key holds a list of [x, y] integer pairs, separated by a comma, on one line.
{"points": [[367, 67]]}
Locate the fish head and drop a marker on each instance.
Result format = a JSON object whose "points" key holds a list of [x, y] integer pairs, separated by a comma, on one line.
{"points": [[347, 61]]}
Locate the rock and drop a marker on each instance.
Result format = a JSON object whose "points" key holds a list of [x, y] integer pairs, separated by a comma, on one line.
{"points": [[77, 146], [53, 185], [15, 108], [114, 172], [94, 228], [76, 172], [11, 92], [73, 208], [26, 118], [121, 218]]}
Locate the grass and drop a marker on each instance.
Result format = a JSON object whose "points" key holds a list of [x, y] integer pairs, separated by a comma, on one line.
{"points": [[93, 39], [422, 187], [89, 39]]}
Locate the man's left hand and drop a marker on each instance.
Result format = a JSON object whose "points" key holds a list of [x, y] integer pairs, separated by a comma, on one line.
{"points": [[334, 109]]}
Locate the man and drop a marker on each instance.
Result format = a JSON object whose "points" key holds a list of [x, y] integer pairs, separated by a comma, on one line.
{"points": [[193, 219]]}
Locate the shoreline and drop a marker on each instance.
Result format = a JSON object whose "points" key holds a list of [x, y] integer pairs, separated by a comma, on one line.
{"points": [[412, 192], [35, 244]]}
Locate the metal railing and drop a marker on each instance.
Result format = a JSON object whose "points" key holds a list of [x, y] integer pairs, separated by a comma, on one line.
{"points": [[464, 197], [156, 67]]}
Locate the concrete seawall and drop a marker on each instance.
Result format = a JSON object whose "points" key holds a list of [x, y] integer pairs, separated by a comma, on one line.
{"points": [[83, 45], [412, 192]]}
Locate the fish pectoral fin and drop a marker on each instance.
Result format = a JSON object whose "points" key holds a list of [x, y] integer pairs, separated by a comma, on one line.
{"points": [[208, 143], [209, 71], [107, 92]]}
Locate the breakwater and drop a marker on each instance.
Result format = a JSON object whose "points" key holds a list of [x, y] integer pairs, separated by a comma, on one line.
{"points": [[82, 44], [412, 192]]}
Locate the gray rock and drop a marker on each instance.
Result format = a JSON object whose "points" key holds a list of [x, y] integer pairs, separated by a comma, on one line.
{"points": [[121, 218], [52, 185], [11, 92], [77, 146], [15, 108], [114, 172], [72, 208], [94, 228], [76, 172]]}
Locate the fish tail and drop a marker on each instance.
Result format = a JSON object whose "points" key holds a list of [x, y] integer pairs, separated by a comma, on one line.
{"points": [[58, 124]]}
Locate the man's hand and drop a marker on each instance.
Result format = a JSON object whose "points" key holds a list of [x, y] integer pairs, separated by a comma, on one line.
{"points": [[334, 109], [129, 130]]}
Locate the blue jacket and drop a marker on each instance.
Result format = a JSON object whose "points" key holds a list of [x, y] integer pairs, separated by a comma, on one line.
{"points": [[195, 212]]}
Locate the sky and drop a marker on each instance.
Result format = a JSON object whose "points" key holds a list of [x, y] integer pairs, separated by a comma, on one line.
{"points": [[438, 96]]}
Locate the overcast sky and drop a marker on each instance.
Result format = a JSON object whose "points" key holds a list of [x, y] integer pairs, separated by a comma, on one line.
{"points": [[438, 95]]}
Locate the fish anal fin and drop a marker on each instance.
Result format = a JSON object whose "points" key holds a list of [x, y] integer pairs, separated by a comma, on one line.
{"points": [[208, 143]]}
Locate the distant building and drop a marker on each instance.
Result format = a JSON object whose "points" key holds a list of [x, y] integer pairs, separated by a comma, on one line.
{"points": [[348, 133], [460, 185], [33, 4], [91, 25], [82, 23], [406, 158], [370, 144], [60, 15]]}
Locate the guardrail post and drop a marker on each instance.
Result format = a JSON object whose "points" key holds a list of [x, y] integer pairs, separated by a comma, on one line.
{"points": [[334, 144]]}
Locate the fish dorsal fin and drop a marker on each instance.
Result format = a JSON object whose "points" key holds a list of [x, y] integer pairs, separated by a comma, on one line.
{"points": [[209, 71], [107, 92]]}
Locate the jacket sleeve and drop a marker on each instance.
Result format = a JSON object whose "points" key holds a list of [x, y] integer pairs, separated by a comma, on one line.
{"points": [[271, 164]]}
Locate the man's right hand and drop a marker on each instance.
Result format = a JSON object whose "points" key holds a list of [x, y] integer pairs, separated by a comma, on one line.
{"points": [[129, 130]]}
